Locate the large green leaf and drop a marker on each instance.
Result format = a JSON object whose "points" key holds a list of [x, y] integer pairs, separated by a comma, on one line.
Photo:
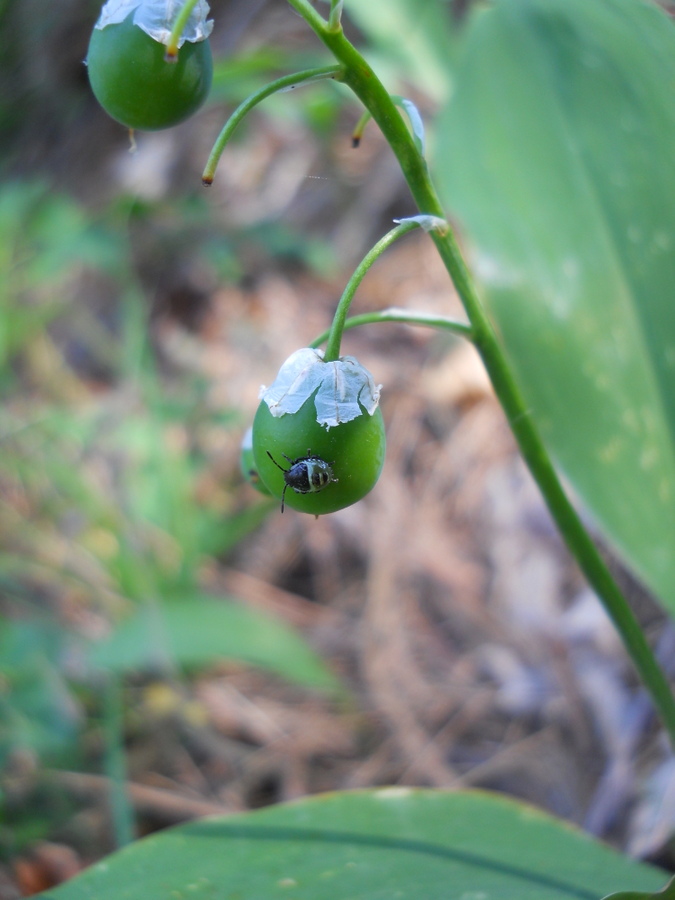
{"points": [[556, 156], [391, 844], [668, 893], [200, 630]]}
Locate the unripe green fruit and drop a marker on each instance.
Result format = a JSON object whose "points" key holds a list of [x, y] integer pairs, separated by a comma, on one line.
{"points": [[353, 453], [248, 467], [135, 85]]}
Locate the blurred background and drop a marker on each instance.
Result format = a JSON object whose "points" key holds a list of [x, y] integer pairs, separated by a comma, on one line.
{"points": [[170, 645]]}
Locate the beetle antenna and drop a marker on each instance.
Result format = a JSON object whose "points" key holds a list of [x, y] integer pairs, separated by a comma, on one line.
{"points": [[275, 462]]}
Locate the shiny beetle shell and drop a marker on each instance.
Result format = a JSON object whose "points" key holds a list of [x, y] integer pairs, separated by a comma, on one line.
{"points": [[305, 475]]}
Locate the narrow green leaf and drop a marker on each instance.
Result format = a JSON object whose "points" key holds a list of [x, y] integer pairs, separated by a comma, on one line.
{"points": [[390, 844], [200, 630], [556, 156]]}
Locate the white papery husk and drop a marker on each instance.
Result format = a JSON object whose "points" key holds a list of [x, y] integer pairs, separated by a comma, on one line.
{"points": [[343, 388], [156, 18]]}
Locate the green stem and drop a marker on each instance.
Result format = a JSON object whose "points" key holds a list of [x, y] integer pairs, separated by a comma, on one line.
{"points": [[357, 133], [336, 329], [281, 84], [406, 317], [115, 763], [367, 87], [178, 27], [310, 15], [411, 111]]}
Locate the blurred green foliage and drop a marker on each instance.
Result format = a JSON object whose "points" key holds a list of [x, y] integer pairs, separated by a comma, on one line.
{"points": [[111, 506], [111, 500]]}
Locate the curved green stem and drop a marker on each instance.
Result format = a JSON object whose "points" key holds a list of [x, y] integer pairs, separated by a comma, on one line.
{"points": [[404, 316], [367, 87], [360, 127], [181, 21], [310, 15], [336, 329], [281, 84], [411, 111]]}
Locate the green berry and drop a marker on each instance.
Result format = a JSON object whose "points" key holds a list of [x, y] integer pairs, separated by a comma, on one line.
{"points": [[314, 469], [136, 86]]}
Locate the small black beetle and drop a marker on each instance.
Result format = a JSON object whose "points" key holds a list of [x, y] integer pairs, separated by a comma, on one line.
{"points": [[306, 475]]}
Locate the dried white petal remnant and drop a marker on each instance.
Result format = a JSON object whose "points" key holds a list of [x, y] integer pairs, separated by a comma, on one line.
{"points": [[416, 123], [156, 18], [344, 389], [427, 223]]}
